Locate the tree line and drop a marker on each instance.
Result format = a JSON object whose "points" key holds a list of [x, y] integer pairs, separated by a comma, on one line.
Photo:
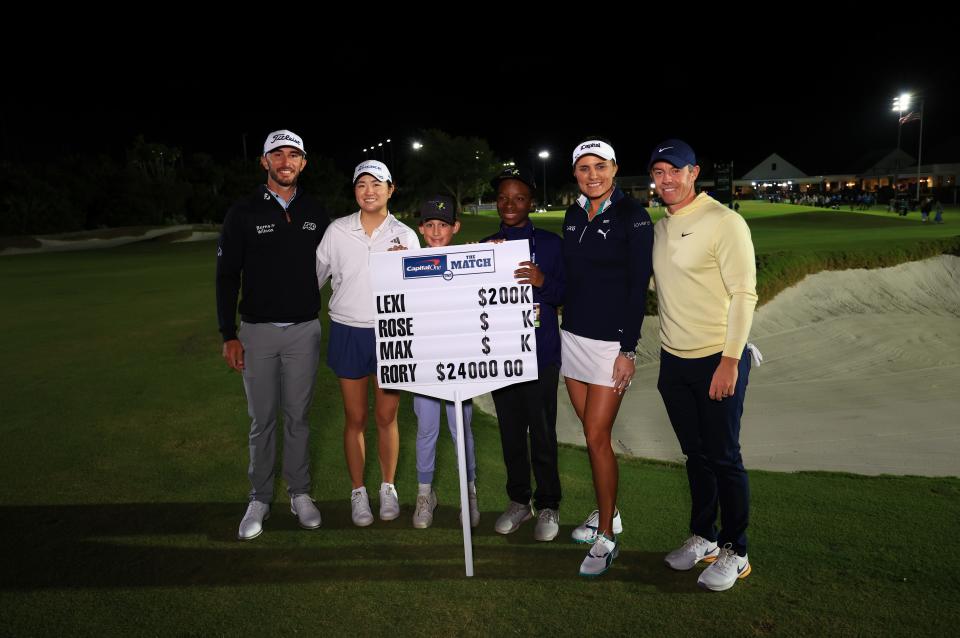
{"points": [[156, 184]]}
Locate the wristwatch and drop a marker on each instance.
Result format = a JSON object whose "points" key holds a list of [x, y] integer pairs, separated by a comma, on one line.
{"points": [[629, 355]]}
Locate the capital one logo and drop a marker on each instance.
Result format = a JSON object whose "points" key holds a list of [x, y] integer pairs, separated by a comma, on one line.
{"points": [[427, 266]]}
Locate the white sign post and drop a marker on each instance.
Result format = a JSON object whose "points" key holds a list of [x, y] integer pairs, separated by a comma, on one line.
{"points": [[453, 323]]}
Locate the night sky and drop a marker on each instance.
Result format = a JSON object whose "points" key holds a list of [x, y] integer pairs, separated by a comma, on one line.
{"points": [[822, 112]]}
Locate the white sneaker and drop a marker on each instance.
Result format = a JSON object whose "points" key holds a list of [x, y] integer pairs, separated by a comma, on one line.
{"points": [[587, 532], [389, 502], [694, 549], [423, 512], [600, 556], [474, 508], [513, 517], [548, 525], [360, 507], [725, 571], [251, 525], [303, 507]]}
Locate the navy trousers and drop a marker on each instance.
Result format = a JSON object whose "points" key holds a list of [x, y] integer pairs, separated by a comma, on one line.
{"points": [[525, 410], [709, 435]]}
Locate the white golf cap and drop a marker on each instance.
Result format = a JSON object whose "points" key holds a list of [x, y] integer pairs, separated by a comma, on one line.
{"points": [[379, 171], [283, 138], [594, 147]]}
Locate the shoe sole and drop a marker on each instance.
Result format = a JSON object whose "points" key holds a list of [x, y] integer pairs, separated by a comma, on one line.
{"points": [[591, 541], [546, 539], [302, 526], [513, 529], [390, 518], [616, 552], [250, 538], [363, 523], [257, 535], [745, 573], [705, 559]]}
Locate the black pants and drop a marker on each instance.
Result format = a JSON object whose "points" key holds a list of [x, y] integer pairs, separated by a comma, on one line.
{"points": [[709, 434], [531, 407]]}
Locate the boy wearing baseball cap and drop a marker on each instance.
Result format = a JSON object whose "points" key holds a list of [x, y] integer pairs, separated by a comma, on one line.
{"points": [[438, 225]]}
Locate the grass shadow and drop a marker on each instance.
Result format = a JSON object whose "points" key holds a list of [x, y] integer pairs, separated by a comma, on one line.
{"points": [[186, 544]]}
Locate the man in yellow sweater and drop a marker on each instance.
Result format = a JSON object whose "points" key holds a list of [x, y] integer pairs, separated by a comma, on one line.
{"points": [[705, 277]]}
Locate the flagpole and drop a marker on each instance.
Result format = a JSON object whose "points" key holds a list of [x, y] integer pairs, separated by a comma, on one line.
{"points": [[896, 176], [919, 151], [464, 498]]}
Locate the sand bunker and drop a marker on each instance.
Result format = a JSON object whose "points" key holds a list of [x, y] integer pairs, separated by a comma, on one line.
{"points": [[173, 234], [861, 374]]}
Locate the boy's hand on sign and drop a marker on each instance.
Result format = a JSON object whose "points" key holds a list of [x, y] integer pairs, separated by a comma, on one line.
{"points": [[529, 273]]}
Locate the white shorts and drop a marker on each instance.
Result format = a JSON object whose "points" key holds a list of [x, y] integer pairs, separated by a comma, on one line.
{"points": [[588, 360]]}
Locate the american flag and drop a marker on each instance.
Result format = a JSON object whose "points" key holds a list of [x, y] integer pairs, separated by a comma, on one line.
{"points": [[909, 117]]}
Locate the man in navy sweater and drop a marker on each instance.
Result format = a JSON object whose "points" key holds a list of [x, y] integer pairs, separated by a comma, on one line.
{"points": [[531, 405], [268, 247]]}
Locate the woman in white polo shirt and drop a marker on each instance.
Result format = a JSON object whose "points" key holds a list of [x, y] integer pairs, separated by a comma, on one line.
{"points": [[344, 257]]}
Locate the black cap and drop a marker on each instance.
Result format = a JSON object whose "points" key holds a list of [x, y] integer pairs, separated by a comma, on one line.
{"points": [[513, 172], [439, 207]]}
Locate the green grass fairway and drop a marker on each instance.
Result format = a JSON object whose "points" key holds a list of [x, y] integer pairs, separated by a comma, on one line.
{"points": [[794, 241], [124, 479], [786, 227]]}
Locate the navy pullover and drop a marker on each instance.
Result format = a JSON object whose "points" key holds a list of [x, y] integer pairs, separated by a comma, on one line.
{"points": [[608, 262], [545, 252], [272, 254]]}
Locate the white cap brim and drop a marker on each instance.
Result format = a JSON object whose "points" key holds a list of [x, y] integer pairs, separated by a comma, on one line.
{"points": [[594, 147], [282, 138], [378, 170]]}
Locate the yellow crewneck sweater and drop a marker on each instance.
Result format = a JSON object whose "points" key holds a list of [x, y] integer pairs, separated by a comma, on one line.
{"points": [[706, 280]]}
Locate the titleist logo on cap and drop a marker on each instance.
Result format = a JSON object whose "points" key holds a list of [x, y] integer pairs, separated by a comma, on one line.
{"points": [[283, 137]]}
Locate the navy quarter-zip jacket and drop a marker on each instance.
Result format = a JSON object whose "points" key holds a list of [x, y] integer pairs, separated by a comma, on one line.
{"points": [[608, 263], [270, 253]]}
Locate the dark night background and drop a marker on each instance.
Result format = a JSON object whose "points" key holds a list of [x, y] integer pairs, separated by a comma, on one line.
{"points": [[822, 112]]}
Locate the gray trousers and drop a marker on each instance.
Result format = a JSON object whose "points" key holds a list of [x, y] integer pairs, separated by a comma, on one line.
{"points": [[280, 370], [427, 410]]}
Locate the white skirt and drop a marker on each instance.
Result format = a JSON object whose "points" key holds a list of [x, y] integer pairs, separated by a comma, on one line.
{"points": [[588, 360]]}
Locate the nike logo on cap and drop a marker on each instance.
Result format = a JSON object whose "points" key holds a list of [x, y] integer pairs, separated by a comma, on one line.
{"points": [[665, 148]]}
